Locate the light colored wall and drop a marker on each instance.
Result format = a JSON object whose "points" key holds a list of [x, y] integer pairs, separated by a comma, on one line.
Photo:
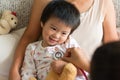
{"points": [[117, 8]]}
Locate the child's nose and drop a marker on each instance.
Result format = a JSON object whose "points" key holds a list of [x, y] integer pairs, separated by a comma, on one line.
{"points": [[57, 35]]}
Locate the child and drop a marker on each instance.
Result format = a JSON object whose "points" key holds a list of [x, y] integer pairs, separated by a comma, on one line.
{"points": [[59, 19], [105, 63]]}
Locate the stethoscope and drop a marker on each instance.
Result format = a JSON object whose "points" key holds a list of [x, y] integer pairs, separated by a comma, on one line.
{"points": [[57, 55]]}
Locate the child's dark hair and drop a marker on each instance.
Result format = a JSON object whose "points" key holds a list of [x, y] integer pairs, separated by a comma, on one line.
{"points": [[63, 10], [105, 64]]}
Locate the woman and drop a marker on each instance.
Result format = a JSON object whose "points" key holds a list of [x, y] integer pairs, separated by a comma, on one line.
{"points": [[97, 26]]}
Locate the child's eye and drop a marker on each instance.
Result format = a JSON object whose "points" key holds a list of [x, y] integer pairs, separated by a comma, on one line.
{"points": [[53, 28], [64, 33]]}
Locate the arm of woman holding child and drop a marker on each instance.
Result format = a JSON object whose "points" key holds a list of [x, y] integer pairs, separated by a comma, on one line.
{"points": [[109, 25], [31, 34]]}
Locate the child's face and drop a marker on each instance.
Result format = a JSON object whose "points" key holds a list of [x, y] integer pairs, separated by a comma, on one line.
{"points": [[54, 32]]}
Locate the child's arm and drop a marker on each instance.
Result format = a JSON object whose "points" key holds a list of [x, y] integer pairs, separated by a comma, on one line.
{"points": [[28, 69]]}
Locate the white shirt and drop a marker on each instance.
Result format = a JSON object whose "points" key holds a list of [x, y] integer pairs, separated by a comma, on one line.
{"points": [[90, 32]]}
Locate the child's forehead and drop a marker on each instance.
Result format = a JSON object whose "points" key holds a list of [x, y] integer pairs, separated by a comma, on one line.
{"points": [[58, 20]]}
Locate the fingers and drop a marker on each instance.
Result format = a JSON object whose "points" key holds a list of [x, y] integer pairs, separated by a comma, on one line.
{"points": [[71, 51], [66, 59], [68, 52]]}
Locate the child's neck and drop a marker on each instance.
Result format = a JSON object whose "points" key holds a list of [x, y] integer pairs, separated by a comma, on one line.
{"points": [[43, 44]]}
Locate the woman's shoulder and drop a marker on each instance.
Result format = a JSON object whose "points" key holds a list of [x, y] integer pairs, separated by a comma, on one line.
{"points": [[103, 5], [107, 3]]}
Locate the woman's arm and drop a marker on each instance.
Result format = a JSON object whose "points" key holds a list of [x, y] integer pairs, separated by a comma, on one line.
{"points": [[109, 25], [31, 34]]}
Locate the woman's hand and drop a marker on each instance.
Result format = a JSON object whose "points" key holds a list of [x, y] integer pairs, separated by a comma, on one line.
{"points": [[77, 57], [58, 65]]}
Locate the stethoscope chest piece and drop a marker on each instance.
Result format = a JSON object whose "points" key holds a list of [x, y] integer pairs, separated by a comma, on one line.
{"points": [[58, 55]]}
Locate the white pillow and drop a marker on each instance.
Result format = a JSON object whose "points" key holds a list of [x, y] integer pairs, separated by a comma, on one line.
{"points": [[8, 44]]}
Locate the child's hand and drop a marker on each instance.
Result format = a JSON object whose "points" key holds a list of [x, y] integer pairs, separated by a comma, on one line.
{"points": [[58, 66]]}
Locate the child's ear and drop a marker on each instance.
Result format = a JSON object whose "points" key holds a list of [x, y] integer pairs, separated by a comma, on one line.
{"points": [[41, 24]]}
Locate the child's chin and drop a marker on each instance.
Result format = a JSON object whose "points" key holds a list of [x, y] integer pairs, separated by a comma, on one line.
{"points": [[52, 44]]}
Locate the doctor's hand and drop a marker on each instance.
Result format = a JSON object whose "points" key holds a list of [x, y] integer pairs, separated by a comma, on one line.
{"points": [[77, 57]]}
